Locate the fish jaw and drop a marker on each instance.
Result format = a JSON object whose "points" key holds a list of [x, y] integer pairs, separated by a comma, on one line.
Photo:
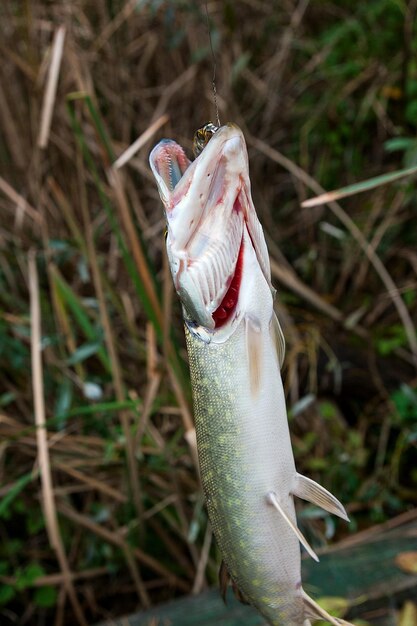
{"points": [[208, 205]]}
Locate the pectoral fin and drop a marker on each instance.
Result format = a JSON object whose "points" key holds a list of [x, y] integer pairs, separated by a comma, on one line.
{"points": [[272, 498], [311, 491], [315, 612]]}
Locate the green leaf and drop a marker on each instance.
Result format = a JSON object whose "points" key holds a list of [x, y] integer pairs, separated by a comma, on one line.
{"points": [[26, 577], [399, 143], [45, 596], [240, 65], [328, 409], [7, 398], [13, 492], [12, 546], [34, 520], [64, 398], [360, 187], [100, 407], [138, 276], [7, 593], [411, 112], [83, 352], [72, 301]]}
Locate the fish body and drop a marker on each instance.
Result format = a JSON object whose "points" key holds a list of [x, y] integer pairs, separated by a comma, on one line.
{"points": [[244, 452], [220, 267]]}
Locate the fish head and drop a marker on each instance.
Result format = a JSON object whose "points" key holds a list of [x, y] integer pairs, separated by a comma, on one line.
{"points": [[208, 205]]}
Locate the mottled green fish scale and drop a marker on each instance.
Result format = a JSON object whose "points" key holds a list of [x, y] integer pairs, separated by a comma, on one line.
{"points": [[229, 462]]}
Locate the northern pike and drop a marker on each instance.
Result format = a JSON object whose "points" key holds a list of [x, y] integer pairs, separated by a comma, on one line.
{"points": [[221, 271]]}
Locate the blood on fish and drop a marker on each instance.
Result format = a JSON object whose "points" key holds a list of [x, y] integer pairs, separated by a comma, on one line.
{"points": [[221, 313], [237, 205], [224, 311]]}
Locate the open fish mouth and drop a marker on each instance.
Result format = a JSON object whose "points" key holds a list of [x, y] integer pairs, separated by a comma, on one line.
{"points": [[169, 163], [208, 205]]}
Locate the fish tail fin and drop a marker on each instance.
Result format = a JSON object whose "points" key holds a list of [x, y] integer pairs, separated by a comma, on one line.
{"points": [[314, 612]]}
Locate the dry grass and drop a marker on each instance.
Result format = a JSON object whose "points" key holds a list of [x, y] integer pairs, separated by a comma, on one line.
{"points": [[98, 481]]}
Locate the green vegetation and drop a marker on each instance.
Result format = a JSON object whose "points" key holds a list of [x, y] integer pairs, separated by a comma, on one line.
{"points": [[326, 94]]}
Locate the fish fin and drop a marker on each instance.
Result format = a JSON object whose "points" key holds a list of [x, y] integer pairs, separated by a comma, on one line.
{"points": [[277, 338], [311, 491], [238, 594], [273, 499], [224, 580], [255, 229], [315, 611], [254, 348]]}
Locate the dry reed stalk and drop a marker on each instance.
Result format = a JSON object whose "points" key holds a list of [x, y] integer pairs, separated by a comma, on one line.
{"points": [[326, 197], [13, 139], [93, 483], [51, 87], [171, 89], [374, 259], [117, 381], [116, 184], [116, 539], [290, 279], [160, 506], [20, 63], [199, 580], [141, 141], [172, 546], [63, 320], [67, 212], [48, 501], [59, 579], [379, 233], [20, 201], [367, 534], [186, 415], [154, 380], [114, 24], [167, 293], [275, 65]]}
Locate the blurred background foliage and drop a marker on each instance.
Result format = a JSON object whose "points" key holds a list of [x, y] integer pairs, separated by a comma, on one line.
{"points": [[101, 511]]}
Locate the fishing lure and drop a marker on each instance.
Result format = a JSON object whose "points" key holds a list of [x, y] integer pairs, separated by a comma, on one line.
{"points": [[220, 267]]}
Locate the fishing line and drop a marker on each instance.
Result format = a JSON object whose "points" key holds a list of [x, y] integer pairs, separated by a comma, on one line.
{"points": [[213, 56]]}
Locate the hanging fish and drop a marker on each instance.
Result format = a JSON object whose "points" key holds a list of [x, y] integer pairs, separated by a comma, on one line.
{"points": [[220, 266]]}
